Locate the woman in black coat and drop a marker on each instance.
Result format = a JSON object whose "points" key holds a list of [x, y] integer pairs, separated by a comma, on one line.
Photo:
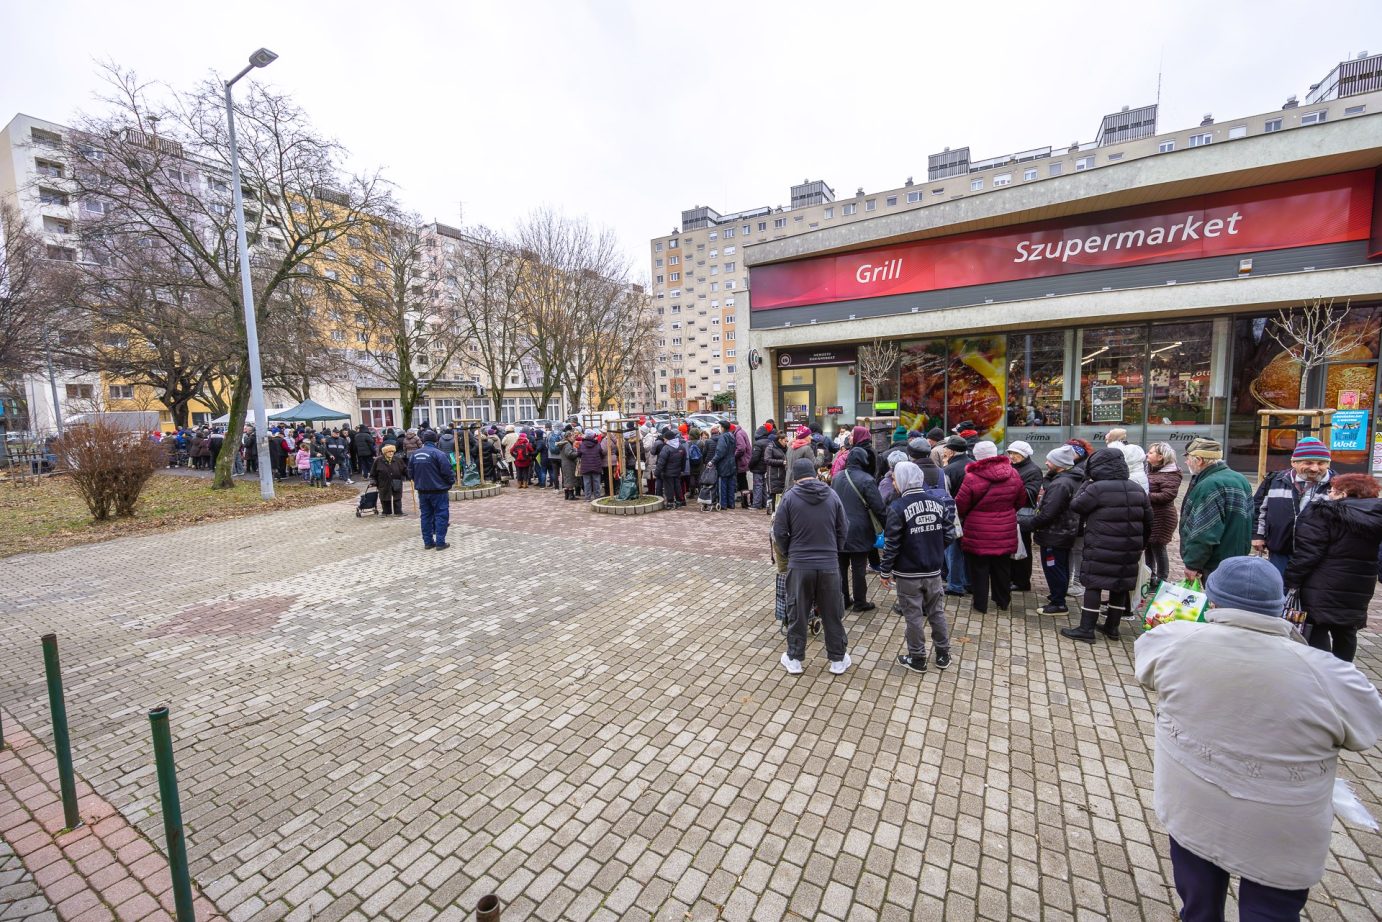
{"points": [[859, 492], [1117, 526], [1021, 455], [1334, 562]]}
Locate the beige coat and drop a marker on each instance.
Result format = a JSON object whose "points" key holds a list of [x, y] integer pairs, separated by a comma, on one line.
{"points": [[1249, 726]]}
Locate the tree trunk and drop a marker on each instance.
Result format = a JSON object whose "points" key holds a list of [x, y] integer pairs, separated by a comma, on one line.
{"points": [[179, 410], [239, 401]]}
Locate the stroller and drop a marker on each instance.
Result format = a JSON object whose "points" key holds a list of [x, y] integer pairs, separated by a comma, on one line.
{"points": [[709, 493], [369, 502]]}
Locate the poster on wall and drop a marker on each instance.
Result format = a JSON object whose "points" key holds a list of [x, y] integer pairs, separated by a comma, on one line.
{"points": [[1377, 453], [1106, 403], [1349, 431]]}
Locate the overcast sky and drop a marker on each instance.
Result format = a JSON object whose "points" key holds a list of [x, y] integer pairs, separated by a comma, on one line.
{"points": [[627, 112]]}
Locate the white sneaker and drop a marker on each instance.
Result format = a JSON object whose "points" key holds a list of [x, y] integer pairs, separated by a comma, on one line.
{"points": [[793, 666], [839, 666]]}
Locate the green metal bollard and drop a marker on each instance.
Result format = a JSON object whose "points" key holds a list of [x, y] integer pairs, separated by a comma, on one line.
{"points": [[172, 815], [62, 745]]}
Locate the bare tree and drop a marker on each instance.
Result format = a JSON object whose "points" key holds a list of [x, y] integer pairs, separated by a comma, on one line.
{"points": [[153, 165], [555, 250], [1313, 335], [618, 326], [489, 317], [31, 294], [404, 309], [295, 343], [878, 366]]}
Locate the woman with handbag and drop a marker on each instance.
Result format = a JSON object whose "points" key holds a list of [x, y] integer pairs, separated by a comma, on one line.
{"points": [[865, 512], [988, 500], [1333, 563], [387, 477]]}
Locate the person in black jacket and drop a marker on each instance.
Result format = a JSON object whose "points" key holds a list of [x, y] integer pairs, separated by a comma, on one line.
{"points": [[668, 466], [387, 475], [863, 507], [1055, 527], [762, 438], [919, 453], [364, 449], [1334, 561], [1117, 520], [1020, 453], [775, 463]]}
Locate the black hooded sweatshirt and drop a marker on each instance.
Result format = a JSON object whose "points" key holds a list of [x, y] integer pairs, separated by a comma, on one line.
{"points": [[809, 526]]}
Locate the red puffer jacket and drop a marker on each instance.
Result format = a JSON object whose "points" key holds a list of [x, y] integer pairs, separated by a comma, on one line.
{"points": [[988, 501]]}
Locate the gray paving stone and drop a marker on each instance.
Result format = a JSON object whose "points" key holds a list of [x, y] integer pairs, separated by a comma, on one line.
{"points": [[587, 718]]}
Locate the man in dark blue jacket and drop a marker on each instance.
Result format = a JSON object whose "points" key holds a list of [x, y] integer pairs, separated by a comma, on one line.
{"points": [[809, 529], [726, 467], [432, 477], [919, 526]]}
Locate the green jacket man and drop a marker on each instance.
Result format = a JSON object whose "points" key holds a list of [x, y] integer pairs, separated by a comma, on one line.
{"points": [[1216, 516]]}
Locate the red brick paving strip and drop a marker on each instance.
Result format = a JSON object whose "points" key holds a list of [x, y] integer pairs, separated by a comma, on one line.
{"points": [[103, 870]]}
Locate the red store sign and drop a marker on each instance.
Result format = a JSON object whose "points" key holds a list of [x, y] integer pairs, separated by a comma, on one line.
{"points": [[1306, 212]]}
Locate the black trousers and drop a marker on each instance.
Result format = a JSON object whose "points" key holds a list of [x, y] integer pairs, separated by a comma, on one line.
{"points": [[989, 575], [1203, 887], [859, 564], [1341, 641], [1158, 562], [1022, 569], [807, 589], [391, 501]]}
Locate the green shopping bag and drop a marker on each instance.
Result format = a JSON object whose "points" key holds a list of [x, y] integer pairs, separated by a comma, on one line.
{"points": [[1183, 601]]}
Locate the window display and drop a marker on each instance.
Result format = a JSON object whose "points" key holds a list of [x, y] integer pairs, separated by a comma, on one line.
{"points": [[1179, 392], [922, 395], [976, 382], [1036, 379], [1113, 363]]}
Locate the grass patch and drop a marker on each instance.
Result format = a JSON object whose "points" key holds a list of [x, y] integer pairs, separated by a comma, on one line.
{"points": [[51, 515], [644, 500]]}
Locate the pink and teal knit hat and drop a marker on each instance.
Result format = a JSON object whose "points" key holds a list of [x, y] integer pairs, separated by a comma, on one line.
{"points": [[1310, 449]]}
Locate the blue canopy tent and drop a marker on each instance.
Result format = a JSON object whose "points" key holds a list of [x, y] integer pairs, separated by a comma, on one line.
{"points": [[309, 411]]}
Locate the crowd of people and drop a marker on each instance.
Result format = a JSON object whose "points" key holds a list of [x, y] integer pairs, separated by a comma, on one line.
{"points": [[1251, 712], [936, 514]]}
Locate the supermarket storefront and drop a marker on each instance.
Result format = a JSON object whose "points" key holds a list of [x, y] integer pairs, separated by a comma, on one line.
{"points": [[1012, 328]]}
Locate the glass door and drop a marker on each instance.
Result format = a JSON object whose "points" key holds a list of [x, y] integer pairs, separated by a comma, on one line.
{"points": [[798, 404]]}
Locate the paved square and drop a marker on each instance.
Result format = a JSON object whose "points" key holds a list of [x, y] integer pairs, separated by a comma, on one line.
{"points": [[585, 714]]}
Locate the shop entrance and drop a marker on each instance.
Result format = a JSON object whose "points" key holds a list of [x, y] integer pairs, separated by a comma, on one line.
{"points": [[798, 403]]}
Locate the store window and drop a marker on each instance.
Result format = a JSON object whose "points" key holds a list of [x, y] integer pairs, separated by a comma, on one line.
{"points": [[1265, 377], [921, 398], [1113, 392], [1036, 382], [947, 382], [976, 383]]}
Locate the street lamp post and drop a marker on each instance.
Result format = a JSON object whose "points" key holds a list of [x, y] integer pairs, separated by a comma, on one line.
{"points": [[261, 58]]}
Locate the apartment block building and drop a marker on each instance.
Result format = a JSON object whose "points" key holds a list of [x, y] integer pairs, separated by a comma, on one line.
{"points": [[34, 177], [700, 281]]}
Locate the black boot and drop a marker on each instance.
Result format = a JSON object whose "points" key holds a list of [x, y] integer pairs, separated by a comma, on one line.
{"points": [[1110, 628], [1085, 632]]}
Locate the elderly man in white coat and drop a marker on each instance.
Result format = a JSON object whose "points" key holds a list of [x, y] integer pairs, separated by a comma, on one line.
{"points": [[1250, 721]]}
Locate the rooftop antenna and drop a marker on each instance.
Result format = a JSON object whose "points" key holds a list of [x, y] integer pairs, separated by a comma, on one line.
{"points": [[1160, 57]]}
